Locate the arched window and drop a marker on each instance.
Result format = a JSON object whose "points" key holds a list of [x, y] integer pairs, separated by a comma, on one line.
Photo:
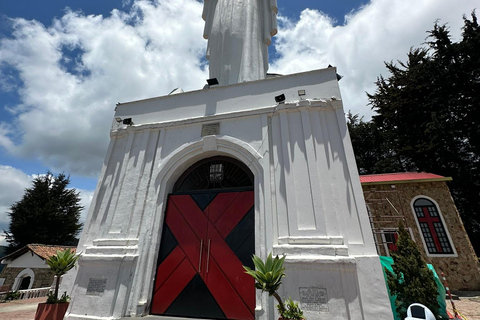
{"points": [[215, 173], [430, 222]]}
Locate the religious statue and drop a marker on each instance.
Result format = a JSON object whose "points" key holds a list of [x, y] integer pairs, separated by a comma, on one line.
{"points": [[239, 33]]}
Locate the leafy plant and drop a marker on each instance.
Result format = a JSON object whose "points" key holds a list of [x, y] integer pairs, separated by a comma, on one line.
{"points": [[64, 298], [268, 278], [52, 300], [12, 295], [292, 310], [60, 264]]}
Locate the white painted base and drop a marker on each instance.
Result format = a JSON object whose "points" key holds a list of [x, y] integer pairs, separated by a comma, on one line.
{"points": [[352, 285]]}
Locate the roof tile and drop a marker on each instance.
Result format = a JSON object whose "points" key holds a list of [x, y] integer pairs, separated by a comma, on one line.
{"points": [[400, 176], [45, 251]]}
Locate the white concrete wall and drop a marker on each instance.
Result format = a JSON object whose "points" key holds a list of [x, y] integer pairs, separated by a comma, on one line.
{"points": [[308, 200], [28, 260]]}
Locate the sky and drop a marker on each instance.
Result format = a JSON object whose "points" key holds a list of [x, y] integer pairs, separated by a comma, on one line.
{"points": [[64, 64]]}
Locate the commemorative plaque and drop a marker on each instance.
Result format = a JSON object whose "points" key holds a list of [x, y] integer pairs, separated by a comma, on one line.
{"points": [[96, 287], [314, 299], [211, 129]]}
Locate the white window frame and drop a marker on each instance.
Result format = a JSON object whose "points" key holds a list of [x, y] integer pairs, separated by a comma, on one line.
{"points": [[445, 227]]}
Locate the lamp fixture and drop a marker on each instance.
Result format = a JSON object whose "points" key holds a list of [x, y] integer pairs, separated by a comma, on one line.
{"points": [[118, 119], [301, 92], [212, 82], [280, 99], [128, 121]]}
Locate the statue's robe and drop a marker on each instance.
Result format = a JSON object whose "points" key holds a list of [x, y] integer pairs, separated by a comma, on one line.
{"points": [[239, 33]]}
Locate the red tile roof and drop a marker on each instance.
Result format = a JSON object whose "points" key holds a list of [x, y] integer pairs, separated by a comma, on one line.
{"points": [[46, 251], [42, 250], [401, 177]]}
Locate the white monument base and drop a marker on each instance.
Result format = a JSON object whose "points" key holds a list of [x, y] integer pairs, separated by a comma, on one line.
{"points": [[308, 202], [337, 288]]}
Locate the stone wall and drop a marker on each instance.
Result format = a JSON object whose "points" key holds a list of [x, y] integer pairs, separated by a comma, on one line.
{"points": [[43, 277], [462, 271]]}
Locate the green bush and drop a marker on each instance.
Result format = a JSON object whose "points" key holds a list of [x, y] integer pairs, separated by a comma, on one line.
{"points": [[412, 282], [291, 310], [12, 295]]}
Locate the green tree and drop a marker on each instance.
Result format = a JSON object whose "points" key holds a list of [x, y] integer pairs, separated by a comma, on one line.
{"points": [[48, 213], [372, 151], [412, 281], [428, 118]]}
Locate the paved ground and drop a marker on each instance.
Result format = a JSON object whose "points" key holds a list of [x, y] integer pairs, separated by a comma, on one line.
{"points": [[468, 305], [20, 309]]}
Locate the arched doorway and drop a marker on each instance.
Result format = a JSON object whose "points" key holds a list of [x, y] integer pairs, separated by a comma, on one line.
{"points": [[208, 234], [25, 284], [24, 280]]}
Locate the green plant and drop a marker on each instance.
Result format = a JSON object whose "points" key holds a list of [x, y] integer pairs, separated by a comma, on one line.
{"points": [[292, 310], [52, 300], [412, 281], [60, 264], [12, 295], [268, 278]]}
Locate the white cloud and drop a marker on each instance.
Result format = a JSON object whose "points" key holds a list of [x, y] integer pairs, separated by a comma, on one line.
{"points": [[86, 197], [75, 71], [383, 30], [12, 186]]}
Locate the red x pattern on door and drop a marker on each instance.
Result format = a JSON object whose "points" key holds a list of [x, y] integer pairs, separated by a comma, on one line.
{"points": [[202, 250]]}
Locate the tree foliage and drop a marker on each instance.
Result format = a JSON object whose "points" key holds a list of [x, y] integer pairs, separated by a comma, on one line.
{"points": [[412, 281], [48, 213], [428, 118]]}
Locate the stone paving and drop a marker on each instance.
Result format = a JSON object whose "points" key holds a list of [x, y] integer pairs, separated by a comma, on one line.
{"points": [[20, 309], [468, 305]]}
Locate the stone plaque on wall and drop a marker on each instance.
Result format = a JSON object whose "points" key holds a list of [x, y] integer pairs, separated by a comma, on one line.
{"points": [[314, 299], [96, 287], [211, 129]]}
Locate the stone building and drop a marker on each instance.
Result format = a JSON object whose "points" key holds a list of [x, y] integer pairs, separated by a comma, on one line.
{"points": [[27, 268], [424, 203]]}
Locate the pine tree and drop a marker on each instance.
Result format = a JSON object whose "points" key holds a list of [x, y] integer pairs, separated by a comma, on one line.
{"points": [[412, 281], [427, 113], [48, 213]]}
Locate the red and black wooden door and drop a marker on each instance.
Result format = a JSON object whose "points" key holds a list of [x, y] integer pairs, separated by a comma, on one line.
{"points": [[207, 237]]}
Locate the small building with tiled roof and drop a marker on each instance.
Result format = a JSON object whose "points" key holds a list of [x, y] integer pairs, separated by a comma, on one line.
{"points": [[422, 201], [27, 268]]}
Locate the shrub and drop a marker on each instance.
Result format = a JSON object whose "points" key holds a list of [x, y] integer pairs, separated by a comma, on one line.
{"points": [[412, 282]]}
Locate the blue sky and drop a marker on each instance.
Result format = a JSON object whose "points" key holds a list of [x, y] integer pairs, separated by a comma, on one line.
{"points": [[45, 11], [62, 70]]}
